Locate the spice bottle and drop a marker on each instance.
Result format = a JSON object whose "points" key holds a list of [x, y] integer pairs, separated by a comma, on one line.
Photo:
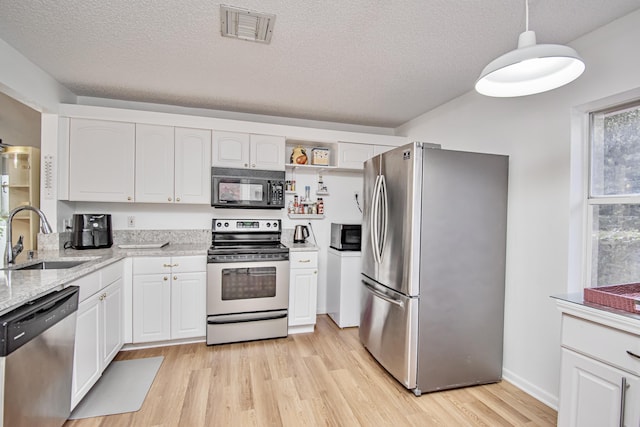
{"points": [[320, 205]]}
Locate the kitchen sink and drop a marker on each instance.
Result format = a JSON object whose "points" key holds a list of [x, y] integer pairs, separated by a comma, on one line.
{"points": [[51, 265]]}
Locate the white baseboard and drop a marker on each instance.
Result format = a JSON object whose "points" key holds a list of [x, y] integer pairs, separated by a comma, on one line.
{"points": [[536, 392]]}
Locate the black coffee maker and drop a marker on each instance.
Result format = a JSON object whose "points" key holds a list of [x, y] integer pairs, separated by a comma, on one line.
{"points": [[91, 231]]}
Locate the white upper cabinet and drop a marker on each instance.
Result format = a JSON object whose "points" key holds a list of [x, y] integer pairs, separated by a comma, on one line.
{"points": [[172, 164], [101, 160], [154, 163], [193, 166], [379, 149], [267, 152], [230, 150], [243, 150], [353, 156]]}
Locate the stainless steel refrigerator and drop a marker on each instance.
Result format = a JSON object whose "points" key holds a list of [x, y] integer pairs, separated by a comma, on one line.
{"points": [[433, 265]]}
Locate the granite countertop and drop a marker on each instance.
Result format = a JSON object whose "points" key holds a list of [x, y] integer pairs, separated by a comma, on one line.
{"points": [[301, 247], [20, 286]]}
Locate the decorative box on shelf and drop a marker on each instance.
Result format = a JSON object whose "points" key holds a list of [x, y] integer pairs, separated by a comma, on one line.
{"points": [[320, 156]]}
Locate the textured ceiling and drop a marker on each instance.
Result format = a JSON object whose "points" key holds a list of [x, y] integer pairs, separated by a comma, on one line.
{"points": [[369, 62]]}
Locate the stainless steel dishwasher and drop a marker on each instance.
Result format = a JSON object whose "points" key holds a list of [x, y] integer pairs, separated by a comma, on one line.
{"points": [[36, 360]]}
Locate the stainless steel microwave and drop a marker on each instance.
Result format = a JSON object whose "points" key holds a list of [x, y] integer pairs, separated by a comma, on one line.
{"points": [[247, 188], [345, 237]]}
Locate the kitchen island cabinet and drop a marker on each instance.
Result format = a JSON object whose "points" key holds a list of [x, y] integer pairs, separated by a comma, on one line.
{"points": [[303, 291], [99, 327], [600, 367], [169, 298]]}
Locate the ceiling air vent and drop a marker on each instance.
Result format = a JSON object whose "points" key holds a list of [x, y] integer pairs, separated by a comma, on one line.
{"points": [[246, 24]]}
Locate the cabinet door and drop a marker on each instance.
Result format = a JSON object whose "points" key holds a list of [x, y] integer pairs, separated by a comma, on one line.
{"points": [[303, 296], [379, 149], [591, 393], [154, 163], [188, 305], [230, 150], [151, 307], [353, 156], [112, 321], [267, 152], [87, 353], [101, 161], [193, 166]]}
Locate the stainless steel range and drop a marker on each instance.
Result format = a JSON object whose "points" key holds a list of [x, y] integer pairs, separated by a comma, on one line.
{"points": [[247, 281]]}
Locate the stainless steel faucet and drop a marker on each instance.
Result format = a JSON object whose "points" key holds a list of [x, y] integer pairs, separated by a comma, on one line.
{"points": [[11, 251]]}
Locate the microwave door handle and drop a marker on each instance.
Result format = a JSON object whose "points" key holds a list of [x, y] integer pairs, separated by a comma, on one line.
{"points": [[268, 192]]}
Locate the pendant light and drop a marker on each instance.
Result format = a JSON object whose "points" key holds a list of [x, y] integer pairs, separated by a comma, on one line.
{"points": [[531, 68]]}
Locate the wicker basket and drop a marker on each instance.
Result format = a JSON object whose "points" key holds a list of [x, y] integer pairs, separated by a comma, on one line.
{"points": [[621, 297]]}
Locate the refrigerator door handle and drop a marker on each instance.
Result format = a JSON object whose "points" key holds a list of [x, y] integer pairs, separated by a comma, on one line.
{"points": [[382, 296], [384, 217], [374, 219]]}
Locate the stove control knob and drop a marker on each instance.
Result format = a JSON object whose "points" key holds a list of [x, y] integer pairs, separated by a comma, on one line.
{"points": [[268, 225], [226, 224], [218, 224], [275, 225]]}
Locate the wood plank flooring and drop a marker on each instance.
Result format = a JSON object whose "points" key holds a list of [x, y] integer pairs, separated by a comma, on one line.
{"points": [[322, 379]]}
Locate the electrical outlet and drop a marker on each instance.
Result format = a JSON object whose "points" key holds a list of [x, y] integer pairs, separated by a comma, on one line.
{"points": [[131, 221]]}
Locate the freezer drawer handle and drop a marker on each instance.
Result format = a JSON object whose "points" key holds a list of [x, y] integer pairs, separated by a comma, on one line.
{"points": [[383, 296]]}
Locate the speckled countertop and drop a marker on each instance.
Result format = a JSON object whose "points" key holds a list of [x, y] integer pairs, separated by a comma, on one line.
{"points": [[20, 286], [287, 240]]}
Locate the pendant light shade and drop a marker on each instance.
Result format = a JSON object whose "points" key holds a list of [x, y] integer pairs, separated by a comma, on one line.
{"points": [[530, 69]]}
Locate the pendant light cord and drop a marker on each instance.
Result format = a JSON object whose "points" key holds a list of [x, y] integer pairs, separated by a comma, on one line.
{"points": [[526, 15]]}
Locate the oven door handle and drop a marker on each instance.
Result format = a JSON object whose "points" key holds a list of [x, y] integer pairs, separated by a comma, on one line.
{"points": [[245, 317]]}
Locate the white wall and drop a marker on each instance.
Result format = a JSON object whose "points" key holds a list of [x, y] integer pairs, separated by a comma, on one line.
{"points": [[535, 132]]}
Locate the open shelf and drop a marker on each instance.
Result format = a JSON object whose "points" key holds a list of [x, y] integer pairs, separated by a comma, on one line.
{"points": [[306, 216]]}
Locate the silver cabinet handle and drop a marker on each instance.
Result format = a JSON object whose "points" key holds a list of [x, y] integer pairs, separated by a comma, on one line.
{"points": [[304, 260], [632, 354], [623, 395], [167, 265], [177, 199], [165, 278], [175, 277], [168, 199]]}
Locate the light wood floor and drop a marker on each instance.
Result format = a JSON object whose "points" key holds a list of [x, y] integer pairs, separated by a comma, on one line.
{"points": [[322, 379]]}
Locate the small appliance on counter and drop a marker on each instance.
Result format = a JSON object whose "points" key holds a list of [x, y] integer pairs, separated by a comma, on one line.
{"points": [[91, 231], [345, 237], [300, 234]]}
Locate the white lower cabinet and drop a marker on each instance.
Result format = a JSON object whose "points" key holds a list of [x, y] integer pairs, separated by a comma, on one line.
{"points": [[600, 372], [303, 291], [169, 298], [99, 327]]}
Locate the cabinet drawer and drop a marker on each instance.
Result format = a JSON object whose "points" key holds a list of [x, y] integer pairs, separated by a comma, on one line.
{"points": [[184, 264], [303, 259], [111, 273], [601, 342], [89, 285], [151, 265]]}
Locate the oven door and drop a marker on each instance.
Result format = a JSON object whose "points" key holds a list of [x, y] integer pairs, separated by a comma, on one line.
{"points": [[242, 287]]}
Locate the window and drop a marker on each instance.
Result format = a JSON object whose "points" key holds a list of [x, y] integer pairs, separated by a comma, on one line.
{"points": [[614, 196]]}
